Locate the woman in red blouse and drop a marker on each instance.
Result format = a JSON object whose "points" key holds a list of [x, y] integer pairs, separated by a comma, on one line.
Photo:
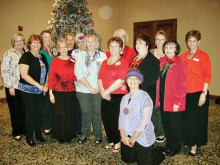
{"points": [[62, 94], [195, 118], [112, 87]]}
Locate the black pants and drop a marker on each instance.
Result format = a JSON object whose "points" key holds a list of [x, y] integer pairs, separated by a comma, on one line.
{"points": [[195, 120], [46, 112], [172, 128], [139, 154], [110, 114], [17, 112], [33, 118]]}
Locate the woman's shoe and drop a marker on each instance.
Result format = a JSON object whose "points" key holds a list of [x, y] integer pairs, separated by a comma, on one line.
{"points": [[116, 150], [82, 139], [17, 138], [31, 142], [98, 140], [109, 146], [193, 151], [192, 154], [47, 132]]}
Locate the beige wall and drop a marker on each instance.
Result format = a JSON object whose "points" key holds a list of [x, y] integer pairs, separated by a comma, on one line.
{"points": [[191, 14]]}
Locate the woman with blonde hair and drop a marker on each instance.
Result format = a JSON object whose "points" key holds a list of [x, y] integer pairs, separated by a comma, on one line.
{"points": [[160, 38], [86, 70], [11, 76]]}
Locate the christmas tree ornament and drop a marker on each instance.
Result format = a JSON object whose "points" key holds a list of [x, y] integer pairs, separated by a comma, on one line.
{"points": [[85, 22], [79, 11], [64, 10]]}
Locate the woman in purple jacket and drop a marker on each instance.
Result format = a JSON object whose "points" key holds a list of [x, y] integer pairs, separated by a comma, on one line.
{"points": [[172, 96]]}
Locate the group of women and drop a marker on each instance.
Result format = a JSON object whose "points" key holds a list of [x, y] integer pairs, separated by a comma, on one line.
{"points": [[135, 95]]}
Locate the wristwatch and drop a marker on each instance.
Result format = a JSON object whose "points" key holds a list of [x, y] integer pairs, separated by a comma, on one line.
{"points": [[204, 92]]}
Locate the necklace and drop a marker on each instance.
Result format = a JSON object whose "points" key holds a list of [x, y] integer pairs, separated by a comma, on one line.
{"points": [[135, 63], [191, 54]]}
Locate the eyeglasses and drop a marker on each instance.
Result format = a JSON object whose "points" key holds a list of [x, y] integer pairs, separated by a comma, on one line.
{"points": [[157, 39], [18, 41], [166, 48]]}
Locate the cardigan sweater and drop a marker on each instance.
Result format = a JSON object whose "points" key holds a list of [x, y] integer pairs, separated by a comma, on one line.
{"points": [[150, 68], [175, 85], [136, 116]]}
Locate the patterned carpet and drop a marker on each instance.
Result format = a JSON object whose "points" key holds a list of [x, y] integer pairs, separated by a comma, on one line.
{"points": [[89, 153]]}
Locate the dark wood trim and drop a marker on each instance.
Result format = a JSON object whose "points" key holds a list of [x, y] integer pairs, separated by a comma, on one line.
{"points": [[214, 96], [3, 100]]}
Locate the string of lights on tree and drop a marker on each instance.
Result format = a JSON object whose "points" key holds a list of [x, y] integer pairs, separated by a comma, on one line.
{"points": [[71, 16]]}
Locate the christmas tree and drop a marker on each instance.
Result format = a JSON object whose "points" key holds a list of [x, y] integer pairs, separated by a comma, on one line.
{"points": [[71, 16]]}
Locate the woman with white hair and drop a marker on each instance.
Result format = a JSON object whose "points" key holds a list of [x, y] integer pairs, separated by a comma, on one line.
{"points": [[11, 75], [127, 52]]}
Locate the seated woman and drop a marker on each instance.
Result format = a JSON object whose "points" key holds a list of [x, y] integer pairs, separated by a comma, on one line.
{"points": [[62, 95], [172, 95], [136, 128], [86, 70]]}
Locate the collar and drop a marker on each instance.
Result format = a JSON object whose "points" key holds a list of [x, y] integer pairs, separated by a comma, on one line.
{"points": [[170, 60]]}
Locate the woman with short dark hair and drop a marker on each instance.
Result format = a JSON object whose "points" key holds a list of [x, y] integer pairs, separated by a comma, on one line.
{"points": [[171, 92]]}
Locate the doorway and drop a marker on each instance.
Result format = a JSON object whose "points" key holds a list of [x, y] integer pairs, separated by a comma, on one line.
{"points": [[150, 28]]}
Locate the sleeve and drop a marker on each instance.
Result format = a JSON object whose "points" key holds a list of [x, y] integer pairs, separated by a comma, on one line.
{"points": [[120, 123], [123, 69], [7, 70], [52, 75], [207, 69], [103, 56], [146, 113], [80, 67], [153, 72], [24, 59], [180, 82]]}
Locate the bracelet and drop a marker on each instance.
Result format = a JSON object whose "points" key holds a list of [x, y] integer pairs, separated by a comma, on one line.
{"points": [[205, 92]]}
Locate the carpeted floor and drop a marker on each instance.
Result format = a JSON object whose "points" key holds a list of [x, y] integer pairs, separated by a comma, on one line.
{"points": [[52, 152]]}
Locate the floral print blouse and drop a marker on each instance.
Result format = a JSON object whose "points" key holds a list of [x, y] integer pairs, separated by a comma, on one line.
{"points": [[10, 68]]}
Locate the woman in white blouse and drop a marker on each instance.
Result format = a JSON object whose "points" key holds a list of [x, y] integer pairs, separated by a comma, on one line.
{"points": [[136, 128], [11, 75]]}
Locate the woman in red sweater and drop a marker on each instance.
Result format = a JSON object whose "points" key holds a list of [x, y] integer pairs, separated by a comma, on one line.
{"points": [[195, 118], [63, 95], [172, 97]]}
